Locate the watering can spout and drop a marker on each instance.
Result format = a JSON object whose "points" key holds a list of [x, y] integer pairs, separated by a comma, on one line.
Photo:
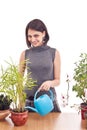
{"points": [[28, 107]]}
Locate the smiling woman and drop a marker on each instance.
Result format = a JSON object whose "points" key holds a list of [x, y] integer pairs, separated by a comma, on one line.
{"points": [[44, 61]]}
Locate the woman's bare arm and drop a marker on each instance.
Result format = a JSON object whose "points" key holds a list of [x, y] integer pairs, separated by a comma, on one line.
{"points": [[22, 63]]}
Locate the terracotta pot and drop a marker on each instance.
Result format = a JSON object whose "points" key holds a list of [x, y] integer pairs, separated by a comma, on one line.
{"points": [[83, 111], [19, 119], [4, 114]]}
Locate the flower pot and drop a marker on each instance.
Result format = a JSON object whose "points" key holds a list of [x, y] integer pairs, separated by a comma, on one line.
{"points": [[83, 111], [19, 118], [4, 114]]}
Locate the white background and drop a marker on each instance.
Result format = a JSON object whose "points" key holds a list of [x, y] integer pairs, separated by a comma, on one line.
{"points": [[66, 21]]}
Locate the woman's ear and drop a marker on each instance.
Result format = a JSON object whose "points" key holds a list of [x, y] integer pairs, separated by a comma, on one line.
{"points": [[44, 33]]}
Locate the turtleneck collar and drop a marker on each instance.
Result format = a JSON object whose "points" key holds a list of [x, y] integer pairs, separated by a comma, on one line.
{"points": [[40, 48]]}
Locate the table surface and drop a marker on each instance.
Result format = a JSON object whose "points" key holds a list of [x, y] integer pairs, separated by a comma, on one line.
{"points": [[51, 121]]}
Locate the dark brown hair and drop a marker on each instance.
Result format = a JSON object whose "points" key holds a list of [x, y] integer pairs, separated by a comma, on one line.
{"points": [[37, 25]]}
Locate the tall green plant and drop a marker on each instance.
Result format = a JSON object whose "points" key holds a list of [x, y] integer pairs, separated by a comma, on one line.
{"points": [[80, 77], [13, 84]]}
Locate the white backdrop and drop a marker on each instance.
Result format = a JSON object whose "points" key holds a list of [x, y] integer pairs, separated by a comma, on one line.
{"points": [[66, 21]]}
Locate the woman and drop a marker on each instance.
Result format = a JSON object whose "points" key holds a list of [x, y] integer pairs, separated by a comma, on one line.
{"points": [[44, 62]]}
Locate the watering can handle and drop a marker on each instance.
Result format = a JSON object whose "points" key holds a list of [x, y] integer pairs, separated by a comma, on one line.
{"points": [[51, 95]]}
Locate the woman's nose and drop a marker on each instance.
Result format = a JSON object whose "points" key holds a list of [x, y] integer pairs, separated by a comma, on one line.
{"points": [[33, 39]]}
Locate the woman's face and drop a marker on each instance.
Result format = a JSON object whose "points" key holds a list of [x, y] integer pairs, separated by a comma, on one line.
{"points": [[35, 37]]}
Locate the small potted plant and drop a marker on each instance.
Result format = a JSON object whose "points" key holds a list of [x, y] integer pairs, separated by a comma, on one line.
{"points": [[80, 85], [5, 102], [14, 84]]}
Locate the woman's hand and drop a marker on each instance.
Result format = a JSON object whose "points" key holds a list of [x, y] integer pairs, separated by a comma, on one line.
{"points": [[45, 85]]}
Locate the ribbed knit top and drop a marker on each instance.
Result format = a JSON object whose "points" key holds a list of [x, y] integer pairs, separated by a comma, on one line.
{"points": [[41, 65]]}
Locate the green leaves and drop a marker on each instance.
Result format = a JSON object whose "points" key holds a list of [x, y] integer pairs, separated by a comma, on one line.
{"points": [[13, 84], [80, 76]]}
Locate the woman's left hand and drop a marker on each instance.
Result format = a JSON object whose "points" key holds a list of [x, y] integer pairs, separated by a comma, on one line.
{"points": [[45, 85]]}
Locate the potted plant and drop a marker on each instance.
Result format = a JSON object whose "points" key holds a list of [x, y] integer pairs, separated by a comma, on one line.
{"points": [[5, 102], [13, 84], [80, 86]]}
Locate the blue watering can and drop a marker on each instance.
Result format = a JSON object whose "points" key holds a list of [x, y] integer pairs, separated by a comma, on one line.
{"points": [[43, 104]]}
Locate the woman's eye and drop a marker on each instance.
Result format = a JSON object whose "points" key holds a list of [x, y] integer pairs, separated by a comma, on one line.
{"points": [[29, 36], [36, 36]]}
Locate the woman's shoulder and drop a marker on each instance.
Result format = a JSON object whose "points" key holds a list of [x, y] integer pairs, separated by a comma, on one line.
{"points": [[52, 49], [27, 50], [55, 50], [23, 53]]}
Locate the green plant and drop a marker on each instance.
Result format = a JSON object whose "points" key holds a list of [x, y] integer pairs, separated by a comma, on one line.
{"points": [[13, 84], [80, 77]]}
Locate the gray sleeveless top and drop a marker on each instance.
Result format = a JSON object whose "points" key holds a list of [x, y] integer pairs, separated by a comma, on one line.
{"points": [[41, 60]]}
